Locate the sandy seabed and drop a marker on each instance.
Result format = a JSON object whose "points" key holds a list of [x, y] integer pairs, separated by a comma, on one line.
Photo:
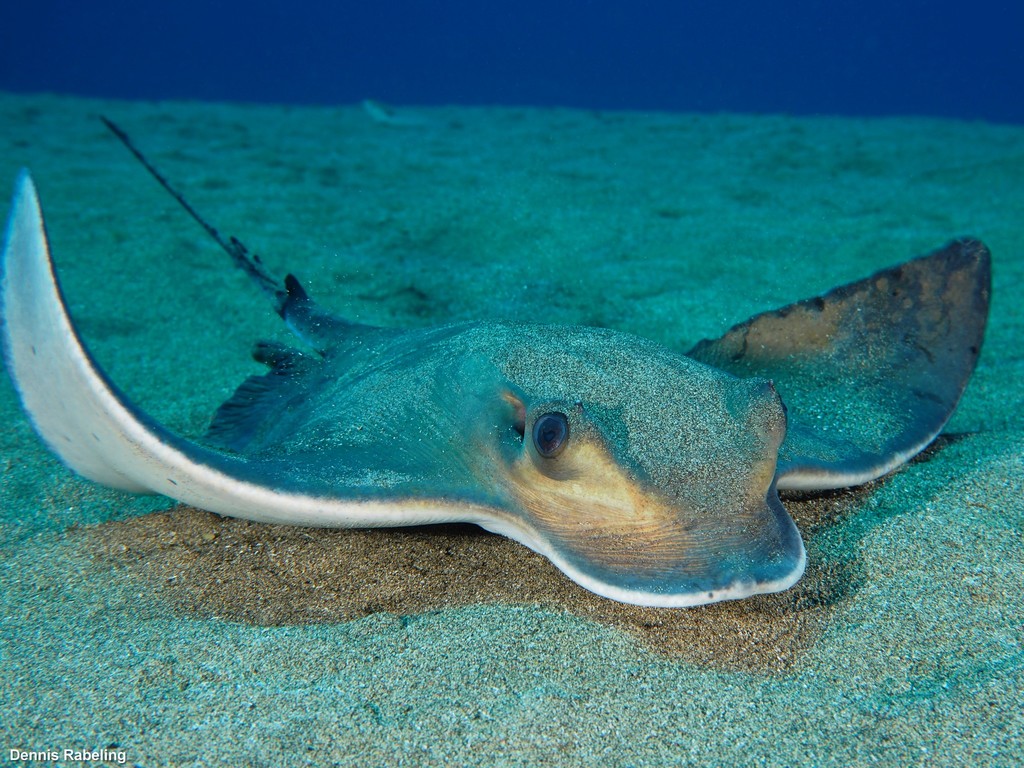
{"points": [[130, 624]]}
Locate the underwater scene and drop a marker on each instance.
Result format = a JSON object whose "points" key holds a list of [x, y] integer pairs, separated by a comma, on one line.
{"points": [[539, 385]]}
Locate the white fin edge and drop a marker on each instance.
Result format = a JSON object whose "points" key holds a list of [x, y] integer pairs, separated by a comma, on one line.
{"points": [[98, 433]]}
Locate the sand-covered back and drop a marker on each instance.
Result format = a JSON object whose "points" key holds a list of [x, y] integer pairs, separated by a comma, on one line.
{"points": [[188, 639]]}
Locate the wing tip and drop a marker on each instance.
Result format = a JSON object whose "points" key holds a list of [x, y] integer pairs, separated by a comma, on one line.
{"points": [[51, 370]]}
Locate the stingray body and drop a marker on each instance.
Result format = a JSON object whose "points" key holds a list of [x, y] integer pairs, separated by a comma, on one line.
{"points": [[645, 475]]}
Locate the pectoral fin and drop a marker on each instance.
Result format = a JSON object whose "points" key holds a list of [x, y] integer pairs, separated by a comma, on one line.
{"points": [[99, 433], [870, 371]]}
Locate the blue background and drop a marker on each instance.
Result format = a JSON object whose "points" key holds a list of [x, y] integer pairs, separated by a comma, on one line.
{"points": [[872, 57]]}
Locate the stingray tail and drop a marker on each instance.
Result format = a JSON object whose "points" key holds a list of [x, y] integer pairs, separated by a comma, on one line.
{"points": [[246, 260], [302, 315]]}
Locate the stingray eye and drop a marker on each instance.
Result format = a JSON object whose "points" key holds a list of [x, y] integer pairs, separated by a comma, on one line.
{"points": [[550, 434]]}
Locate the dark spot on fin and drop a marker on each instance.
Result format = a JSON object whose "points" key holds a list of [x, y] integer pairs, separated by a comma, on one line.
{"points": [[244, 417], [281, 359], [296, 293], [307, 320]]}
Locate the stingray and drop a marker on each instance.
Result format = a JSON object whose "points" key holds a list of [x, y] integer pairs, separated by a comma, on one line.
{"points": [[645, 475]]}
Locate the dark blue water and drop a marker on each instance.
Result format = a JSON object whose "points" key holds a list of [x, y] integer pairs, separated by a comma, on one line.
{"points": [[866, 57]]}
